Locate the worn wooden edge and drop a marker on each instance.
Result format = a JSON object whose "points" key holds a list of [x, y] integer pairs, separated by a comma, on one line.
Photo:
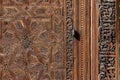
{"points": [[76, 47], [94, 40], [88, 34], [1, 19], [0, 29], [117, 41], [64, 29]]}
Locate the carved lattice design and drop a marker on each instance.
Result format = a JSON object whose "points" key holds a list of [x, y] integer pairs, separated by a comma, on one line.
{"points": [[32, 45]]}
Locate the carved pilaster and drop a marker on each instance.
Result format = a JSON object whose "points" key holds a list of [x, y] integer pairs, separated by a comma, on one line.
{"points": [[107, 40], [69, 40], [84, 43]]}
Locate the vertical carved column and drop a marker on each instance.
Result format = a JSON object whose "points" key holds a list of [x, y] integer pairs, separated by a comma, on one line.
{"points": [[69, 40], [80, 18], [84, 43], [107, 40], [94, 40]]}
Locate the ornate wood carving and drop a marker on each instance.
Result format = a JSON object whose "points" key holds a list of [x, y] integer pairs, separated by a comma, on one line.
{"points": [[84, 43], [107, 40], [104, 40], [33, 38], [36, 39], [69, 40]]}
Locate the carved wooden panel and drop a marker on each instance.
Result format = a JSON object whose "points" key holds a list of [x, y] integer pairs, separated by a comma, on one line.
{"points": [[104, 40], [107, 40], [36, 40]]}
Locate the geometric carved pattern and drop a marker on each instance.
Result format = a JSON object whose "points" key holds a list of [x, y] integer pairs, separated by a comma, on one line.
{"points": [[32, 45], [107, 40], [69, 41]]}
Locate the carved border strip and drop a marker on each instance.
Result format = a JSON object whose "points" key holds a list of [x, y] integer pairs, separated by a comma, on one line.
{"points": [[104, 38], [88, 40], [84, 43], [107, 40], [94, 39], [69, 40]]}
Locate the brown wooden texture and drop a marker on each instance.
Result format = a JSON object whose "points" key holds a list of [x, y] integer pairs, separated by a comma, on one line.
{"points": [[58, 40], [94, 40], [45, 40], [36, 41], [84, 43], [104, 40]]}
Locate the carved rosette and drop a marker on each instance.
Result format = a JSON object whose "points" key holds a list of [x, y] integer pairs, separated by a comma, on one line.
{"points": [[107, 40]]}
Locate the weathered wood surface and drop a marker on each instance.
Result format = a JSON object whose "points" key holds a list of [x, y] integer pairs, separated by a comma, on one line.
{"points": [[32, 40], [37, 42]]}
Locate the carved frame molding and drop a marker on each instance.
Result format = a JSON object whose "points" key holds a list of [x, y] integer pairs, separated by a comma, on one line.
{"points": [[102, 68], [88, 46], [82, 53], [84, 44], [85, 18]]}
